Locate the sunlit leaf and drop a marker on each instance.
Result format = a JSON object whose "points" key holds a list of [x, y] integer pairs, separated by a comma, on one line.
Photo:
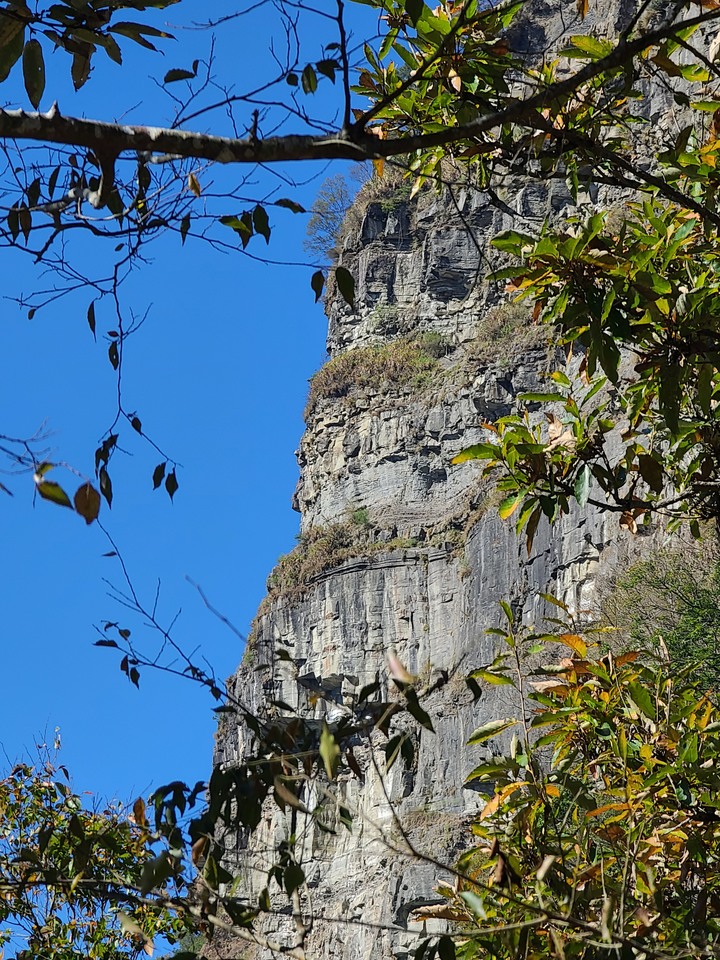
{"points": [[491, 729], [49, 490], [329, 752], [194, 185]]}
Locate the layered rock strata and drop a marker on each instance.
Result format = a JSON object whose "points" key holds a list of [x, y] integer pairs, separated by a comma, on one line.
{"points": [[402, 552], [422, 561]]}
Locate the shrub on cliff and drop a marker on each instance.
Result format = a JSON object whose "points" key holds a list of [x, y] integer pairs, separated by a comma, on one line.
{"points": [[600, 836], [673, 599]]}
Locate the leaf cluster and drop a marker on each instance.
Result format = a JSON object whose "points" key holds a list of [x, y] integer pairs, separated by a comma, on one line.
{"points": [[601, 833]]}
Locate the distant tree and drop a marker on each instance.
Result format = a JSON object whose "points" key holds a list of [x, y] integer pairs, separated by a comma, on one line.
{"points": [[73, 881], [328, 212]]}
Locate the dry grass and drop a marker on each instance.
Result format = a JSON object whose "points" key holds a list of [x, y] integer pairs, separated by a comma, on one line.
{"points": [[507, 331], [324, 548], [407, 362]]}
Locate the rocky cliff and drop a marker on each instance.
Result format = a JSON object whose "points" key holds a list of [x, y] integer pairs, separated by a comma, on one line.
{"points": [[399, 551]]}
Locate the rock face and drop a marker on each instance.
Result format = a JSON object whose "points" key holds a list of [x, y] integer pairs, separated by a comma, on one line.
{"points": [[400, 551]]}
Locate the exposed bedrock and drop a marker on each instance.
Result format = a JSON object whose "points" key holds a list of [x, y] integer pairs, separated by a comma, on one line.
{"points": [[414, 558]]}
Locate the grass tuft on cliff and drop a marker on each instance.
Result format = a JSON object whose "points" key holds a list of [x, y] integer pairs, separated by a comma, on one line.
{"points": [[323, 548], [407, 362]]}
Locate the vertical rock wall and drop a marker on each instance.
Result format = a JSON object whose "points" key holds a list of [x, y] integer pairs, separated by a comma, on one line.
{"points": [[401, 551]]}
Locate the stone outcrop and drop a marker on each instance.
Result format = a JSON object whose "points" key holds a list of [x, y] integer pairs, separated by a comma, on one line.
{"points": [[422, 559]]}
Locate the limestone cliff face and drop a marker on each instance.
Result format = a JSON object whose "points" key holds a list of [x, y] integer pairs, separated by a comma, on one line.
{"points": [[422, 562], [401, 551]]}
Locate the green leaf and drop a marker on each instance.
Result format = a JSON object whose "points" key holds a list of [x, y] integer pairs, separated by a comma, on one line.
{"points": [[670, 395], [317, 282], [138, 32], [328, 68], [593, 48], [49, 490], [172, 76], [582, 485], [158, 475], [12, 38], [105, 485], [25, 218], [478, 451], [513, 242], [497, 679], [446, 948], [309, 79], [642, 699], [171, 484], [414, 9], [346, 285], [242, 225], [34, 72], [91, 318], [13, 222], [261, 223], [651, 471], [80, 69], [329, 752], [87, 502], [489, 730], [184, 227], [114, 355]]}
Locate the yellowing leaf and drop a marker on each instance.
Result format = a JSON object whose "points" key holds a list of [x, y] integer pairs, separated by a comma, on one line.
{"points": [[329, 752], [194, 184], [492, 805], [492, 729], [87, 502], [575, 643], [49, 490], [510, 504], [627, 521], [605, 808]]}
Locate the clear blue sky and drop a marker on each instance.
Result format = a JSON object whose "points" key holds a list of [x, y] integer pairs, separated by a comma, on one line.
{"points": [[218, 374]]}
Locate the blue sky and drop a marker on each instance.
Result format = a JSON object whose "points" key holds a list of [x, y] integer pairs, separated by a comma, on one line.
{"points": [[218, 374]]}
